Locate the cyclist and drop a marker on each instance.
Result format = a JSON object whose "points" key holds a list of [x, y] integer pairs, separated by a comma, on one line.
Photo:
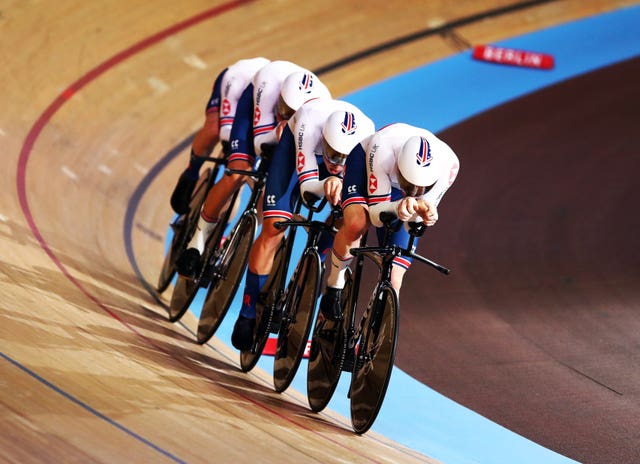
{"points": [[401, 169], [219, 116], [310, 157], [274, 93]]}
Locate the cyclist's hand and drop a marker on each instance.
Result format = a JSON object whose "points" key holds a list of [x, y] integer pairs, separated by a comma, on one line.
{"points": [[333, 190], [407, 207], [280, 128], [427, 211]]}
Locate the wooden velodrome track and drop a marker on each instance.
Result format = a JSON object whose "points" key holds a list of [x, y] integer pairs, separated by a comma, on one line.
{"points": [[93, 93]]}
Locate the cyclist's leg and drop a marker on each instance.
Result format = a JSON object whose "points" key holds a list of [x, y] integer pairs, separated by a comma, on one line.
{"points": [[216, 203], [354, 225], [281, 187], [201, 147], [221, 192], [241, 157], [260, 261]]}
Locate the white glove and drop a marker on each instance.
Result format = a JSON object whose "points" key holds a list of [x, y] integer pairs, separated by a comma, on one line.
{"points": [[407, 207]]}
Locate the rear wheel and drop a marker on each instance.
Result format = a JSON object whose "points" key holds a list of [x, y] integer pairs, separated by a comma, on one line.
{"points": [[374, 361], [327, 353], [265, 309], [228, 273], [296, 322]]}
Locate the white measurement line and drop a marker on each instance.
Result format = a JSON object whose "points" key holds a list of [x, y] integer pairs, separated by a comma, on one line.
{"points": [[104, 169], [195, 61], [140, 168], [69, 173], [158, 84]]}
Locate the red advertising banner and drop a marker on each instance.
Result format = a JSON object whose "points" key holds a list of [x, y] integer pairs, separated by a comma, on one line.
{"points": [[513, 57]]}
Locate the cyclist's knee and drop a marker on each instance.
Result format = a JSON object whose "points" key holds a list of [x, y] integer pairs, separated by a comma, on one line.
{"points": [[397, 275], [269, 230], [236, 180], [355, 222]]}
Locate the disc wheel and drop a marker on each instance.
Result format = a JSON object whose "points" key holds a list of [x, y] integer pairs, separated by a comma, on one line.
{"points": [[183, 229], [229, 270], [374, 362], [183, 294], [265, 309], [168, 269], [327, 353], [296, 322]]}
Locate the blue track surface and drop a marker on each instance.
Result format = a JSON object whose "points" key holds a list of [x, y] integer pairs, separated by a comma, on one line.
{"points": [[438, 96]]}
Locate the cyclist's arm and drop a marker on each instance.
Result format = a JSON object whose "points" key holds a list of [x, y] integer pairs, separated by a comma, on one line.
{"points": [[379, 199], [379, 164], [307, 135], [265, 96]]}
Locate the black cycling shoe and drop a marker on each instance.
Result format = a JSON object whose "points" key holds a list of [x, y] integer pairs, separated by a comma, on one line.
{"points": [[242, 336], [188, 264], [331, 304], [181, 195]]}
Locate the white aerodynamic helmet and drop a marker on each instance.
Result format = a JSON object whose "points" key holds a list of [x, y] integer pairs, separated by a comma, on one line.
{"points": [[418, 168], [341, 132], [297, 88]]}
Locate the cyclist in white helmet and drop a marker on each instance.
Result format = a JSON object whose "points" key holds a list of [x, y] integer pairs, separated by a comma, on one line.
{"points": [[400, 169], [273, 94], [310, 157], [219, 115]]}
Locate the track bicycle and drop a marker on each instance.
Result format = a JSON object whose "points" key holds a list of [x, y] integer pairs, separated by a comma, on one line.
{"points": [[367, 349], [300, 305], [187, 287], [183, 228], [273, 295], [228, 266]]}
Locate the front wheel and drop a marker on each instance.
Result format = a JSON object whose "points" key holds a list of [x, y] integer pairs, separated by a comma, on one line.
{"points": [[296, 321], [374, 362], [183, 294], [327, 353], [228, 272], [183, 229], [267, 306], [168, 269]]}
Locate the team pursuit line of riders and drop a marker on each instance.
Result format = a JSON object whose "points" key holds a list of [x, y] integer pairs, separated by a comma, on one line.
{"points": [[280, 131]]}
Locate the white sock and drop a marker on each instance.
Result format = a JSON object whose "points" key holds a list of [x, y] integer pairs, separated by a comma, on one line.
{"points": [[203, 231], [339, 265]]}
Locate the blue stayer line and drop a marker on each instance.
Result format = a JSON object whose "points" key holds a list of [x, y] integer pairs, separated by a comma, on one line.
{"points": [[88, 408], [438, 96]]}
